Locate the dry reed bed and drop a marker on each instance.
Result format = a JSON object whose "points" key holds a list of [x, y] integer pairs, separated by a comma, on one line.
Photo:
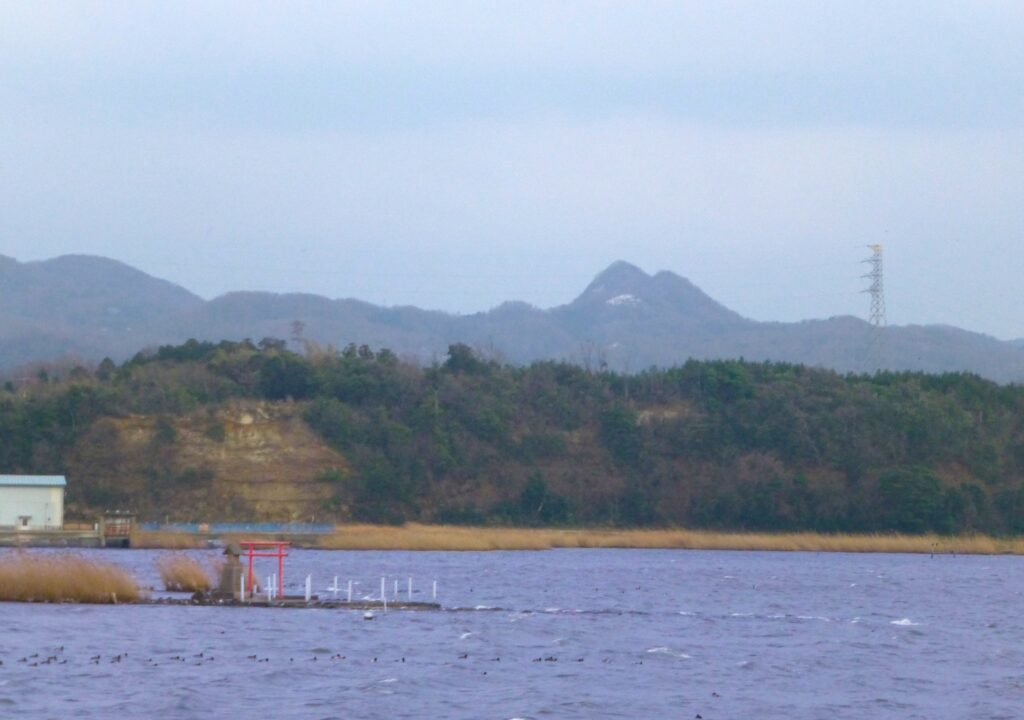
{"points": [[32, 577], [413, 536], [167, 540], [443, 537], [181, 573]]}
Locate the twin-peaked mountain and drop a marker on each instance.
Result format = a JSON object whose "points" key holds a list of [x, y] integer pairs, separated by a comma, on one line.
{"points": [[89, 308]]}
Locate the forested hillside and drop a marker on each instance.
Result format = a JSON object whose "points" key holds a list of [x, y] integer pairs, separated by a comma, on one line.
{"points": [[206, 431]]}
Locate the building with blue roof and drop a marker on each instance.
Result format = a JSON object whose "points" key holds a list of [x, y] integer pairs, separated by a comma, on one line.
{"points": [[32, 502]]}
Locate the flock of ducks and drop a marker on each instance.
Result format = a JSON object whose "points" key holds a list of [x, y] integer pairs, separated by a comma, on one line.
{"points": [[58, 658]]}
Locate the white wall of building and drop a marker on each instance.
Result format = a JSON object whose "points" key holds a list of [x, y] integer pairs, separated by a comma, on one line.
{"points": [[43, 505]]}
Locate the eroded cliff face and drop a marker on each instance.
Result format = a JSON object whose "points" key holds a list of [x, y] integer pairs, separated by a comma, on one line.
{"points": [[245, 460]]}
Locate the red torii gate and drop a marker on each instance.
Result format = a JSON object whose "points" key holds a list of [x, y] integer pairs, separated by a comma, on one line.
{"points": [[268, 549]]}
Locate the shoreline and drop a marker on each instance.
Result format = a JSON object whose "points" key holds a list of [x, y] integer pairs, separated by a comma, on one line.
{"points": [[416, 537]]}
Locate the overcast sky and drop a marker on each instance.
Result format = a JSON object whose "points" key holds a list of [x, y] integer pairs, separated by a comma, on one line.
{"points": [[455, 155]]}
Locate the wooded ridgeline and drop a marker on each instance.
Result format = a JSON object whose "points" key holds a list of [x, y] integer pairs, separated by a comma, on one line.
{"points": [[721, 444]]}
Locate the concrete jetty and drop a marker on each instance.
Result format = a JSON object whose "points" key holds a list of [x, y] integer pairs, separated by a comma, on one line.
{"points": [[52, 538]]}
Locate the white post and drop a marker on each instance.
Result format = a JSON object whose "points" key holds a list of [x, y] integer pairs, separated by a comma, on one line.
{"points": [[241, 587], [395, 596], [383, 595], [350, 590], [410, 590], [309, 587], [435, 589], [269, 588]]}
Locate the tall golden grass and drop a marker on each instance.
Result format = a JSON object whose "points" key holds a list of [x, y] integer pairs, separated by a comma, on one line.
{"points": [[182, 574], [166, 540], [445, 537], [32, 577], [414, 536]]}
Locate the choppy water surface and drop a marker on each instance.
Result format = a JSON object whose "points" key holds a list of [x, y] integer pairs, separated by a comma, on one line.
{"points": [[558, 634]]}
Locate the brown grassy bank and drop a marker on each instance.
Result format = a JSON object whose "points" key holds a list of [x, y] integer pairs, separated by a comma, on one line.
{"points": [[166, 540], [444, 537], [414, 536], [183, 574], [32, 577]]}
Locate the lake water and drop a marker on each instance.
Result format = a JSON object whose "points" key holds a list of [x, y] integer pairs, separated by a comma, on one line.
{"points": [[555, 634]]}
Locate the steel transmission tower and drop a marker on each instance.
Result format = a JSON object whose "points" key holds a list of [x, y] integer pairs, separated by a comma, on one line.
{"points": [[877, 317]]}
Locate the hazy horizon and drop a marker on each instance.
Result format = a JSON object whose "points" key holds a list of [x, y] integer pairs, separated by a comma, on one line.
{"points": [[461, 156]]}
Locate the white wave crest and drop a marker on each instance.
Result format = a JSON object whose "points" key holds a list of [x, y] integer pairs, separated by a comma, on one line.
{"points": [[668, 651]]}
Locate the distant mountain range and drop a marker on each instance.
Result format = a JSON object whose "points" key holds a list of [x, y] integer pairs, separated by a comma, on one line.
{"points": [[91, 307]]}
